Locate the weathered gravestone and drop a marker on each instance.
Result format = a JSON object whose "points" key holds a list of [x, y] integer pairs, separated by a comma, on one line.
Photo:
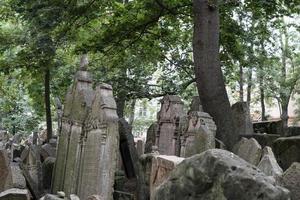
{"points": [[268, 163], [88, 140], [168, 136], [218, 175], [291, 180], [31, 167], [200, 133], [127, 148], [47, 170], [155, 169], [101, 140], [249, 150], [4, 169], [151, 137], [242, 118], [287, 151], [77, 104]]}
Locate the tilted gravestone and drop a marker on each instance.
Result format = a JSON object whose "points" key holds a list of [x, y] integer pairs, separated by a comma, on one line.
{"points": [[249, 150], [242, 118], [268, 163], [168, 136], [4, 169], [291, 180], [200, 131], [77, 103], [101, 140]]}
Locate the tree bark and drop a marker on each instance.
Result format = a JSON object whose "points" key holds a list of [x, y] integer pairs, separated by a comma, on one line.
{"points": [[249, 86], [262, 102], [120, 101], [47, 104], [131, 114], [209, 76], [241, 83]]}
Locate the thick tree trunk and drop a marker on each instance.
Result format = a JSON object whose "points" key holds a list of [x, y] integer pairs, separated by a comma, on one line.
{"points": [[209, 77], [241, 83], [120, 106], [47, 104]]}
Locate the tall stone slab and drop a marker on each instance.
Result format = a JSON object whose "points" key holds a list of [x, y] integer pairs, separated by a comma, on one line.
{"points": [[200, 134], [168, 136], [242, 118], [101, 141], [77, 104], [151, 137]]}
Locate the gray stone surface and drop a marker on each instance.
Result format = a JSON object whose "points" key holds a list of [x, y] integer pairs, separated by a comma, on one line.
{"points": [[47, 170], [291, 180], [249, 150], [51, 197], [168, 136], [101, 143], [5, 171], [219, 175], [200, 134], [268, 163], [47, 150], [76, 107], [15, 194], [287, 151], [242, 118], [18, 180], [151, 137]]}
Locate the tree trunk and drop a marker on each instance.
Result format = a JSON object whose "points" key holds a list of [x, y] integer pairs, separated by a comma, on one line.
{"points": [[131, 114], [209, 76], [241, 83], [249, 86], [47, 104], [262, 101], [284, 117], [120, 106]]}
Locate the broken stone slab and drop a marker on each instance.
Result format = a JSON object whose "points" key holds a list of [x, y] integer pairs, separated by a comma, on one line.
{"points": [[291, 180], [218, 174], [15, 194], [249, 150], [241, 115], [51, 197], [287, 151], [263, 139], [268, 163]]}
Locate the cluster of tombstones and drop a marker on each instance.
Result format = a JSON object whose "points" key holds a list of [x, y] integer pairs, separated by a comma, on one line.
{"points": [[96, 156]]}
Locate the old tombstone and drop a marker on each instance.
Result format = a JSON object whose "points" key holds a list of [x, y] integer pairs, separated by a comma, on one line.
{"points": [[249, 150], [4, 170], [15, 194], [17, 178], [32, 171], [168, 134], [47, 150], [200, 133], [242, 118], [218, 175], [287, 151], [291, 180], [47, 170], [268, 163], [151, 137], [140, 147], [127, 148], [101, 141], [78, 102]]}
